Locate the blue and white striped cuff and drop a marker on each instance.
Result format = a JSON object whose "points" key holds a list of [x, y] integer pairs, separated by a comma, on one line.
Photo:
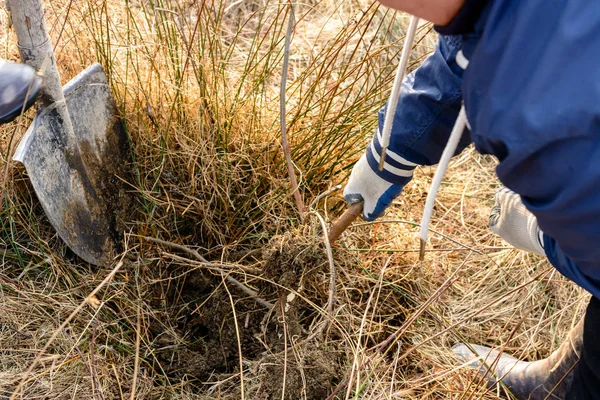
{"points": [[396, 169]]}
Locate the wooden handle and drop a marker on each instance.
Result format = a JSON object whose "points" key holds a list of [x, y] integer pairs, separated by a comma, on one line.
{"points": [[344, 221], [36, 47], [36, 50]]}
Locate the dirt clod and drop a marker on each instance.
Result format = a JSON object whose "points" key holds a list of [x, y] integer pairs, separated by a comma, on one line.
{"points": [[291, 259]]}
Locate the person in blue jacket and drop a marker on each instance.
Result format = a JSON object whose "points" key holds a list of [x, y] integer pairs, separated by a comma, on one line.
{"points": [[528, 75]]}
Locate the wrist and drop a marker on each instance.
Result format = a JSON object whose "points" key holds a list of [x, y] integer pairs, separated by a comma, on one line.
{"points": [[396, 169], [540, 238]]}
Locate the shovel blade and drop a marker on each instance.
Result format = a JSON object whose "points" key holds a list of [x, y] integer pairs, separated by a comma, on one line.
{"points": [[80, 187]]}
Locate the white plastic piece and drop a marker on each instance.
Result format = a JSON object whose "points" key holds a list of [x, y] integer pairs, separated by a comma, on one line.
{"points": [[393, 101], [457, 130], [461, 60]]}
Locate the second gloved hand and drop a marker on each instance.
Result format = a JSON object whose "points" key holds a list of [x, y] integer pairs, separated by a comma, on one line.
{"points": [[367, 186], [19, 89], [511, 220]]}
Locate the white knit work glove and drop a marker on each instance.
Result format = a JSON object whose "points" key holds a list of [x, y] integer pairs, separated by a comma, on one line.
{"points": [[367, 186], [511, 220]]}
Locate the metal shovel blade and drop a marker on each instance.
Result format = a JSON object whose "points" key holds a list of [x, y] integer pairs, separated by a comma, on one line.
{"points": [[79, 186]]}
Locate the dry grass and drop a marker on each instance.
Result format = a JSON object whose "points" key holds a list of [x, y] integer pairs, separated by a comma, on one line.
{"points": [[198, 86]]}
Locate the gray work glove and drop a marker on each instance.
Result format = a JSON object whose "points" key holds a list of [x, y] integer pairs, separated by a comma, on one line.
{"points": [[512, 221]]}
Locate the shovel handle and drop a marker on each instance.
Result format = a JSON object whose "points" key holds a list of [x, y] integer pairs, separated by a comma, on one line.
{"points": [[36, 50], [344, 221], [36, 47]]}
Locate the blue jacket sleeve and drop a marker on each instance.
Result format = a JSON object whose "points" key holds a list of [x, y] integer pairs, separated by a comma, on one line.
{"points": [[429, 103], [532, 95]]}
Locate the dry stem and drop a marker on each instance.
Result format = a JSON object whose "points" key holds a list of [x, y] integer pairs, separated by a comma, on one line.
{"points": [[282, 99], [240, 285]]}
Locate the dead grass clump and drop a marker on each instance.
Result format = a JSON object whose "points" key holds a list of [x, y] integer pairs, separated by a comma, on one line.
{"points": [[197, 84]]}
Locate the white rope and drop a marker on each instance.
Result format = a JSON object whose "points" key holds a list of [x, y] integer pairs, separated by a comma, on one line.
{"points": [[457, 130], [393, 101]]}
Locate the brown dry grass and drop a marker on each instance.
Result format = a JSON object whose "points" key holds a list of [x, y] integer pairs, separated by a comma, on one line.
{"points": [[197, 84]]}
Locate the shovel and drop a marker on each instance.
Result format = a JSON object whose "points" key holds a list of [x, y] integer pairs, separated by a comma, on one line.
{"points": [[76, 147]]}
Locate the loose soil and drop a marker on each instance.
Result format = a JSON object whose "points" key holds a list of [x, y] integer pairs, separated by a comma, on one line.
{"points": [[202, 341]]}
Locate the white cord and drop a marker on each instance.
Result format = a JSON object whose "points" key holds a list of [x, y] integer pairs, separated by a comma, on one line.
{"points": [[393, 101], [457, 130]]}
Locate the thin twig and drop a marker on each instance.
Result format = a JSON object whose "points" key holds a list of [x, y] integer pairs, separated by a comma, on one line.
{"points": [[399, 221], [136, 367], [95, 386], [332, 279], [329, 306], [285, 349], [122, 397], [455, 135], [197, 255], [323, 195], [383, 345], [284, 138], [181, 247], [237, 333], [93, 361], [423, 307], [62, 327], [357, 368]]}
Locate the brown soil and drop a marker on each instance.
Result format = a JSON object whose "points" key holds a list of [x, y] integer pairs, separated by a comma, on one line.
{"points": [[201, 342], [312, 376], [205, 322], [288, 258]]}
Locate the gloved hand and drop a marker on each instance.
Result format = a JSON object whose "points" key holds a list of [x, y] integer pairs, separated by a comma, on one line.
{"points": [[511, 220], [366, 184], [19, 88]]}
